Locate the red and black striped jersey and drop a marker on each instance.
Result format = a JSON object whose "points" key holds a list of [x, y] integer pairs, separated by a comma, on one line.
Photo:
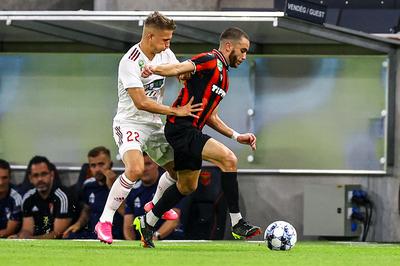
{"points": [[208, 85]]}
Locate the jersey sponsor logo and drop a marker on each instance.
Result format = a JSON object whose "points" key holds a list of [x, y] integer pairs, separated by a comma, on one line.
{"points": [[218, 91], [152, 89], [151, 94], [154, 85]]}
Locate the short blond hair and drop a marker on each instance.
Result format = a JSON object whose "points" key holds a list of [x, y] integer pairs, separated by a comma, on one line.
{"points": [[159, 21]]}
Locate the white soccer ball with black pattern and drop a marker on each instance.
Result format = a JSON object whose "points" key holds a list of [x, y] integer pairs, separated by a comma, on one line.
{"points": [[280, 235]]}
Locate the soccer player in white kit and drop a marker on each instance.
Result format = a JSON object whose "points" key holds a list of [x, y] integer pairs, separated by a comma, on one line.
{"points": [[137, 125]]}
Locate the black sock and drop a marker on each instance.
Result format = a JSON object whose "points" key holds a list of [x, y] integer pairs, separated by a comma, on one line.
{"points": [[169, 199], [230, 188]]}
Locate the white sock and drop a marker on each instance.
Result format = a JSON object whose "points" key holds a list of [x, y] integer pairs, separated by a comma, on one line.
{"points": [[165, 182], [119, 190], [235, 217], [151, 219]]}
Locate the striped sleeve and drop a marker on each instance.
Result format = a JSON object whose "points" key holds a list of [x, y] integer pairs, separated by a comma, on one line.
{"points": [[62, 209], [27, 203], [16, 213]]}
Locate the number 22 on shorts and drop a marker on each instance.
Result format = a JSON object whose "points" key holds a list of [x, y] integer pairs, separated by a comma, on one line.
{"points": [[132, 136]]}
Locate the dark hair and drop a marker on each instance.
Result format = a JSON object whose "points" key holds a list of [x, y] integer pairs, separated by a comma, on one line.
{"points": [[37, 159], [98, 150], [159, 21], [5, 165], [234, 34]]}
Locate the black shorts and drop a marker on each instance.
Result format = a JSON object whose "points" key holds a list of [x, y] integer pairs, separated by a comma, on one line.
{"points": [[187, 142]]}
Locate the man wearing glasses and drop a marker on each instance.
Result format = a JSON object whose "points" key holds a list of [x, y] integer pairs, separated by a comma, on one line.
{"points": [[46, 208]]}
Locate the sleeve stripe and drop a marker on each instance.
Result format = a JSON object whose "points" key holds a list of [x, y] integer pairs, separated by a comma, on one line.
{"points": [[17, 197], [63, 199], [93, 179], [28, 194]]}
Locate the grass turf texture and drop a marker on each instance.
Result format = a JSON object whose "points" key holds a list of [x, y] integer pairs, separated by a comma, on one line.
{"points": [[62, 252]]}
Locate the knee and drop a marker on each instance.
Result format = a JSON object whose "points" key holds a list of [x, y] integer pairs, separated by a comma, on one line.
{"points": [[229, 163], [187, 188], [134, 172]]}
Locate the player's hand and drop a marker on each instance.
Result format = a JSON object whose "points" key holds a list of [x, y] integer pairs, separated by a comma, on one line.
{"points": [[189, 109], [110, 175], [72, 229], [147, 71], [248, 138], [185, 76]]}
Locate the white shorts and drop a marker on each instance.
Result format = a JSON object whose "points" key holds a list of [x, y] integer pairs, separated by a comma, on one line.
{"points": [[145, 138]]}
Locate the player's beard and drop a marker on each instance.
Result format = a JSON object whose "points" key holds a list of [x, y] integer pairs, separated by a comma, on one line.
{"points": [[42, 187], [233, 59], [100, 177]]}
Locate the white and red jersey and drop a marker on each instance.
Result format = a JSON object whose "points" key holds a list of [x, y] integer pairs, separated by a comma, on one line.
{"points": [[129, 76]]}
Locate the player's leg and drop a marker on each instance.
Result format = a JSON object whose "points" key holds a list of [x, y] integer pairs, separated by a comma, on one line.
{"points": [[185, 160], [134, 166], [161, 153], [133, 160], [225, 159], [187, 143], [131, 153], [166, 180], [164, 183], [186, 184]]}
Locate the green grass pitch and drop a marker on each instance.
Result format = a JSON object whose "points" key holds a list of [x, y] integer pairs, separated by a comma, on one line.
{"points": [[220, 253]]}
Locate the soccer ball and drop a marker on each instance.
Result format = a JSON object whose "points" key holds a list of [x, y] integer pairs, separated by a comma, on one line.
{"points": [[280, 235]]}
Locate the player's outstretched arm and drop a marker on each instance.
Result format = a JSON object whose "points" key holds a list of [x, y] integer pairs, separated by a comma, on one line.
{"points": [[169, 70], [142, 102], [215, 122]]}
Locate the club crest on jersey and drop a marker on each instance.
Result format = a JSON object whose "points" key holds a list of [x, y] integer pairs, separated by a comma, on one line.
{"points": [[8, 213], [219, 65], [218, 91], [141, 64]]}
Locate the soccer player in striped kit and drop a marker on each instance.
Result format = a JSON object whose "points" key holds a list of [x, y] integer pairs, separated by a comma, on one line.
{"points": [[137, 125], [208, 85]]}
